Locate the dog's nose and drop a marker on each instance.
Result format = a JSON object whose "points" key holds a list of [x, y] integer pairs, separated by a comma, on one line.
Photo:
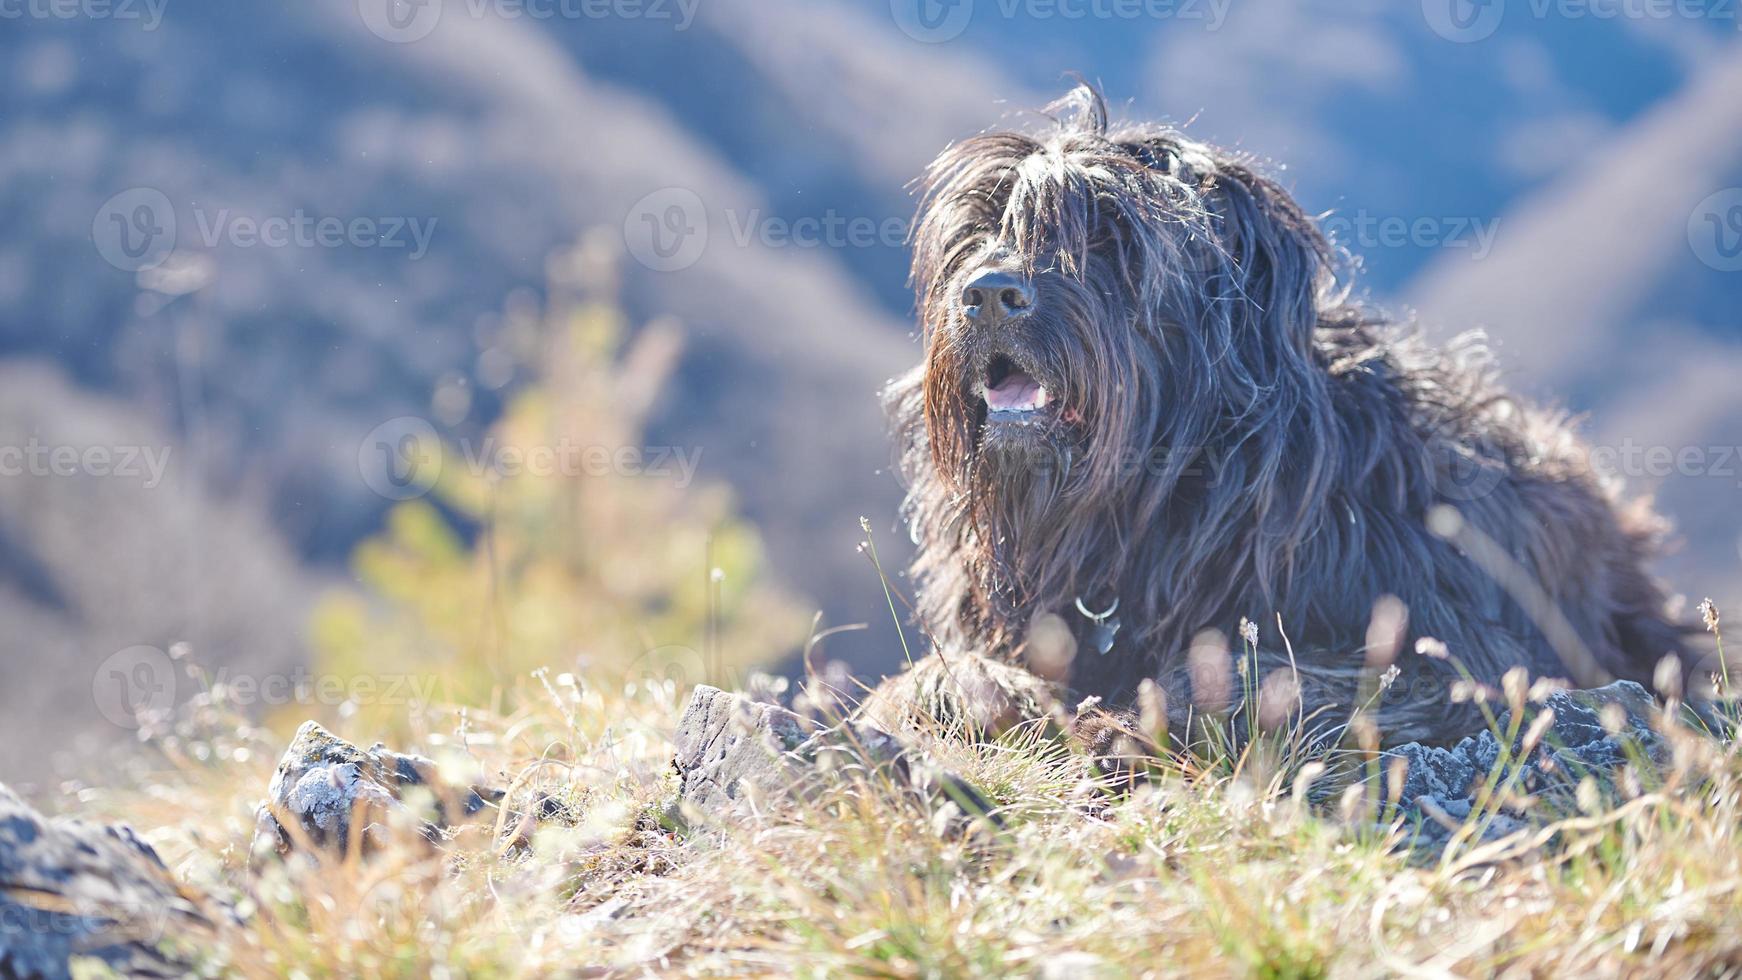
{"points": [[992, 295]]}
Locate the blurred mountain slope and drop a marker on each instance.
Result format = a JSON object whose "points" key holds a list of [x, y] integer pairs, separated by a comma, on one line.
{"points": [[493, 131], [133, 551], [517, 136], [1616, 310]]}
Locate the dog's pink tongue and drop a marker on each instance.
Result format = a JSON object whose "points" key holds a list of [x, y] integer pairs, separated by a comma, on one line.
{"points": [[1017, 393]]}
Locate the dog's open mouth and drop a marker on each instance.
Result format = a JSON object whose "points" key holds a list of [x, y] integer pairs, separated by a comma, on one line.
{"points": [[1013, 394]]}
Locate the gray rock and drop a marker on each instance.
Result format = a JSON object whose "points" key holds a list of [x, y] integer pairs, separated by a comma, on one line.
{"points": [[731, 749], [729, 746], [326, 793], [72, 890], [1446, 779]]}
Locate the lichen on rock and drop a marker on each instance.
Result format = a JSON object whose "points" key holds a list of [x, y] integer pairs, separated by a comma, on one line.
{"points": [[1441, 783], [329, 795], [732, 750], [73, 891]]}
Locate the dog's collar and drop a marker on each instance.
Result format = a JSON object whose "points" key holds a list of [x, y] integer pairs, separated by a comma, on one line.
{"points": [[1097, 617], [1103, 626]]}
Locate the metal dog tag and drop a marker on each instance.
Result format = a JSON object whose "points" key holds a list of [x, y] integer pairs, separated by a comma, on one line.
{"points": [[1103, 633], [1103, 626]]}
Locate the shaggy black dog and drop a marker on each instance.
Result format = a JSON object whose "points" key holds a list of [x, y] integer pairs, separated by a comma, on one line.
{"points": [[1153, 438]]}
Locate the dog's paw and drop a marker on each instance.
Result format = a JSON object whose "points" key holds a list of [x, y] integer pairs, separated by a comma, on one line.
{"points": [[964, 692], [1115, 743]]}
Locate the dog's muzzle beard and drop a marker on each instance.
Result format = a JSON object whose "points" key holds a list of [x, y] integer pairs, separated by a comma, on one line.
{"points": [[1022, 459], [1004, 423], [1017, 410]]}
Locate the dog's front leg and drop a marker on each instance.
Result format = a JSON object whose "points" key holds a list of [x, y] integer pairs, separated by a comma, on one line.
{"points": [[961, 692]]}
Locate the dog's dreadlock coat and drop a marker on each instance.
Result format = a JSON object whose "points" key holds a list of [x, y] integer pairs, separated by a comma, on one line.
{"points": [[1145, 388]]}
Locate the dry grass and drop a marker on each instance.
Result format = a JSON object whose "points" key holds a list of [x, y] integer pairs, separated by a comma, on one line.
{"points": [[1229, 868]]}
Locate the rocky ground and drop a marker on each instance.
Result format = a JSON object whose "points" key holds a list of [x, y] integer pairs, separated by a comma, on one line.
{"points": [[72, 891]]}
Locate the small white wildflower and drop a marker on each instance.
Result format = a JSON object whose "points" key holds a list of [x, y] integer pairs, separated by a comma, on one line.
{"points": [[1353, 803], [1542, 687], [1613, 718], [1389, 677], [1667, 678], [1709, 614], [1152, 710], [1538, 728], [1278, 696], [1248, 631], [1463, 691], [1515, 684], [1427, 646]]}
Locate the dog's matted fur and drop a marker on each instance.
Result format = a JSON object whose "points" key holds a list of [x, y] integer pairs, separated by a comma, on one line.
{"points": [[1146, 389]]}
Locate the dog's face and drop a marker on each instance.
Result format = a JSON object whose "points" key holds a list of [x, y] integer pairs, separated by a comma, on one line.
{"points": [[1100, 311], [1006, 369], [1028, 372]]}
